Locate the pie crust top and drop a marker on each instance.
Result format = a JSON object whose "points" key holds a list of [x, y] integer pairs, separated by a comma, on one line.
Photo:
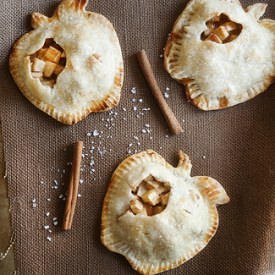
{"points": [[71, 64], [221, 52], [158, 216]]}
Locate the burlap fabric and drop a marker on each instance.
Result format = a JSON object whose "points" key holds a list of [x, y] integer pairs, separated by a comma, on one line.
{"points": [[235, 146]]}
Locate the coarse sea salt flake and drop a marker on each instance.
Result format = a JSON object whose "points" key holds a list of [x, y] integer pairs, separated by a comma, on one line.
{"points": [[95, 133]]}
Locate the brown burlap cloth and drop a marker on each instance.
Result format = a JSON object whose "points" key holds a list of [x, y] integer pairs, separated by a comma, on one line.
{"points": [[235, 146]]}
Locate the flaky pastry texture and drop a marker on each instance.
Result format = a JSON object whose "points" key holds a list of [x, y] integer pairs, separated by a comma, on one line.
{"points": [[92, 78], [153, 244], [216, 74]]}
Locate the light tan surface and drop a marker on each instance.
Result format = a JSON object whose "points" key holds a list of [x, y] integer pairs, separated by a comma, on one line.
{"points": [[200, 66], [92, 79], [161, 242], [7, 264]]}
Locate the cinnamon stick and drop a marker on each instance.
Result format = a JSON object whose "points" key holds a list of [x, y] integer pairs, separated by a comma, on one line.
{"points": [[169, 116], [73, 187]]}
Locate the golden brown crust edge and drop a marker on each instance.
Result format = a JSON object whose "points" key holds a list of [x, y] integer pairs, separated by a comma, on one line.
{"points": [[202, 102], [212, 192], [107, 103]]}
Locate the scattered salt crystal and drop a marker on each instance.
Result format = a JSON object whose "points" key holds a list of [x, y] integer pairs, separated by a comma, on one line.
{"points": [[48, 199], [166, 136], [55, 219], [124, 109], [50, 231], [140, 100], [166, 95], [143, 131], [134, 100], [81, 181], [55, 182], [147, 125], [204, 157], [55, 223], [89, 134], [95, 133], [63, 171], [33, 200], [161, 55], [151, 137], [167, 89], [79, 195], [49, 239], [41, 182], [134, 90], [135, 108], [46, 227], [34, 205], [47, 214], [61, 196]]}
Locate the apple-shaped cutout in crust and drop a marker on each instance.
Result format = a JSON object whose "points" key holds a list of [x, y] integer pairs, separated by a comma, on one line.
{"points": [[158, 216], [222, 53], [71, 64]]}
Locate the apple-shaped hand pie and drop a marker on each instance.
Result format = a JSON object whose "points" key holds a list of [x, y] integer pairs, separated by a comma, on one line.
{"points": [[71, 64], [158, 216], [221, 52]]}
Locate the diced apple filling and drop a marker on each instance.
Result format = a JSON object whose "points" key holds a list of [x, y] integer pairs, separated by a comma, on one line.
{"points": [[221, 29], [48, 62], [151, 197]]}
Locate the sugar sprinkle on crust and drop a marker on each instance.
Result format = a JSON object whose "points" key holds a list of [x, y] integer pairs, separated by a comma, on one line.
{"points": [[169, 232], [92, 78], [233, 64]]}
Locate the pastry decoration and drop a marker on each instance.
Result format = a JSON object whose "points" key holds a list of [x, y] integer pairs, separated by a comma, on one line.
{"points": [[71, 64], [221, 52], [158, 216]]}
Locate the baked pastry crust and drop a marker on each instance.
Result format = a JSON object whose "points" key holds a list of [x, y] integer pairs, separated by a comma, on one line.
{"points": [[92, 78], [153, 244], [217, 75]]}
